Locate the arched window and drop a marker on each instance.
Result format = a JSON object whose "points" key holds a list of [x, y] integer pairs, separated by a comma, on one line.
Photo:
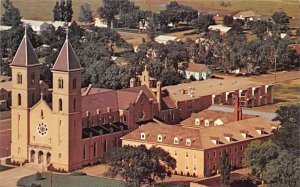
{"points": [[19, 78], [60, 105], [32, 78], [74, 104], [19, 99], [60, 83], [176, 140], [74, 83], [42, 114]]}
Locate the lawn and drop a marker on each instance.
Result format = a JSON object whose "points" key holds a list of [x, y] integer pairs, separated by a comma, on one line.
{"points": [[42, 10], [68, 181]]}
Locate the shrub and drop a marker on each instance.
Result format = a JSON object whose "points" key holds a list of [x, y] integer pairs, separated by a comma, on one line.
{"points": [[208, 173], [38, 176]]}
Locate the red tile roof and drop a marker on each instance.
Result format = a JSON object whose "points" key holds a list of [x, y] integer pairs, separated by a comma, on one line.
{"points": [[192, 67], [25, 55], [67, 60]]}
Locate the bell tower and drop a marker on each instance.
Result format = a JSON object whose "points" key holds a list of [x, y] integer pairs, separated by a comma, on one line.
{"points": [[25, 93], [66, 104]]}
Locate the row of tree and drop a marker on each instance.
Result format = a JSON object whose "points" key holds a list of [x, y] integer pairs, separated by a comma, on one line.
{"points": [[63, 11]]}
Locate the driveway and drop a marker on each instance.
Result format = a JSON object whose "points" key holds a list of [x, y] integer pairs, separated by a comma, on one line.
{"points": [[9, 178]]}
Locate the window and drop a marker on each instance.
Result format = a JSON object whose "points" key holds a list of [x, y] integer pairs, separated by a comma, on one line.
{"points": [[143, 136], [208, 156], [19, 78], [33, 138], [186, 167], [74, 104], [59, 155], [19, 99], [74, 83], [95, 144], [206, 123], [175, 153], [186, 154], [236, 148], [83, 156], [124, 118], [230, 150], [60, 105], [197, 121], [195, 168], [188, 142], [42, 114], [241, 148], [32, 78], [176, 140], [141, 115], [159, 138], [60, 83], [214, 153], [32, 99]]}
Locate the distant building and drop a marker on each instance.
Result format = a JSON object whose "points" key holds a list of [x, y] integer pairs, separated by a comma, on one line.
{"points": [[36, 26], [99, 22], [246, 15], [219, 28], [4, 28], [165, 39], [198, 71], [5, 93], [57, 24]]}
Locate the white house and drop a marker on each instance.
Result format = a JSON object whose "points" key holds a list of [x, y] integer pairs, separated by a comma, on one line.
{"points": [[246, 15], [198, 71], [57, 24], [4, 28], [99, 22], [221, 28], [165, 39], [36, 26]]}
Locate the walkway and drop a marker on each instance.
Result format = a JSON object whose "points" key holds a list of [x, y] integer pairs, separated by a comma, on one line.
{"points": [[9, 178]]}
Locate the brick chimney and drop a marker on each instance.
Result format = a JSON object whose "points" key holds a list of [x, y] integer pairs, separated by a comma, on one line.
{"points": [[158, 94], [237, 108]]}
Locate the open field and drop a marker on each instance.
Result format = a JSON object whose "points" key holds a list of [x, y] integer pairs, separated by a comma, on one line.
{"points": [[42, 10]]}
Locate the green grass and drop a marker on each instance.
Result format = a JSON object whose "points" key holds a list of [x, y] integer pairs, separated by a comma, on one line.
{"points": [[3, 168], [42, 9], [70, 181]]}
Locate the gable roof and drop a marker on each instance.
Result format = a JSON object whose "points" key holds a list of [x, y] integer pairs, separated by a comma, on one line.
{"points": [[67, 60], [25, 55], [245, 14], [192, 67]]}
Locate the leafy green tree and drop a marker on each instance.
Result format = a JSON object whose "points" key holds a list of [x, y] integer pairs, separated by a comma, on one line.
{"points": [[136, 164], [11, 16], [281, 19], [203, 22], [237, 25], [56, 12], [298, 31], [225, 169], [69, 11], [62, 10], [260, 28], [227, 20], [86, 13]]}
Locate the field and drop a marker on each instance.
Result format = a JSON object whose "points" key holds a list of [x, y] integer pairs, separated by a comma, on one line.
{"points": [[42, 9]]}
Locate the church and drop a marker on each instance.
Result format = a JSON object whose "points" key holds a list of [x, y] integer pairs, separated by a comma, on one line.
{"points": [[68, 127]]}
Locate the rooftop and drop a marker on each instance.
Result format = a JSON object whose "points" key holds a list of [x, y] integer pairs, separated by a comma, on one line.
{"points": [[220, 28], [201, 138], [193, 67], [209, 87]]}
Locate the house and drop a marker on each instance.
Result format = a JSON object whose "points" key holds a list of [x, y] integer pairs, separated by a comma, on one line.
{"points": [[165, 39], [57, 24], [4, 28], [99, 22], [219, 28], [246, 15], [197, 149], [5, 93], [197, 71], [36, 26]]}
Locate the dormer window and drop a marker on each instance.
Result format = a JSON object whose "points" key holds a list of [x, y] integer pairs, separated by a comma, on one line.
{"points": [[215, 140], [143, 136], [188, 142], [74, 84], [206, 123], [260, 130], [245, 134], [159, 138], [228, 137], [176, 140], [197, 121]]}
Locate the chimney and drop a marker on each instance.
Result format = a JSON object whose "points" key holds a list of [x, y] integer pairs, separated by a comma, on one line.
{"points": [[237, 108], [158, 94]]}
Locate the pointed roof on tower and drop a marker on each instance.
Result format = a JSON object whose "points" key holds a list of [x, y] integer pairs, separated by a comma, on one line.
{"points": [[25, 55], [67, 60]]}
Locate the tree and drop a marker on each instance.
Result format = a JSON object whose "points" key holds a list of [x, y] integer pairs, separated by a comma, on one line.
{"points": [[62, 10], [86, 13], [136, 164], [203, 22], [237, 25], [225, 169], [298, 31], [227, 20], [260, 28], [56, 12], [69, 11], [11, 15], [281, 19]]}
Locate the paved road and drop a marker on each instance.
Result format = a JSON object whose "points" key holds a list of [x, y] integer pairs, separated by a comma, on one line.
{"points": [[9, 178], [267, 115]]}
